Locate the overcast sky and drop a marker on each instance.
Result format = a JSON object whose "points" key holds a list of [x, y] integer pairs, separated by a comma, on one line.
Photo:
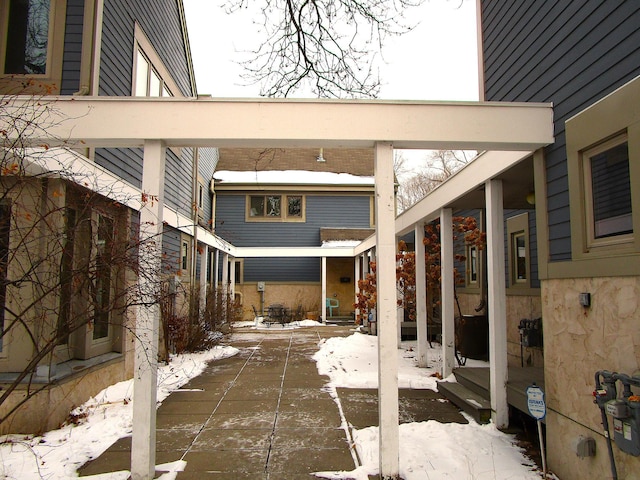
{"points": [[436, 61]]}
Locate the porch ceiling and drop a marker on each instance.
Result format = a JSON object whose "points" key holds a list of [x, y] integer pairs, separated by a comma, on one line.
{"points": [[517, 184], [465, 189]]}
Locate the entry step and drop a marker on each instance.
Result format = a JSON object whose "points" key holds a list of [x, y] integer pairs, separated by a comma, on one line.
{"points": [[470, 402]]}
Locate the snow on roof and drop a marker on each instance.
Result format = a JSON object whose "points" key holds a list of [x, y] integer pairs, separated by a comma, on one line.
{"points": [[341, 243], [292, 177]]}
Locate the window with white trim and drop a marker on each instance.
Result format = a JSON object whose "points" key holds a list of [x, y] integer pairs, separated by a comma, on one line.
{"points": [[518, 242], [147, 81]]}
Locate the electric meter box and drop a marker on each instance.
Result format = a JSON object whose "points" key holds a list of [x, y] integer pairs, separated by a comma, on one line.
{"points": [[617, 408], [260, 286]]}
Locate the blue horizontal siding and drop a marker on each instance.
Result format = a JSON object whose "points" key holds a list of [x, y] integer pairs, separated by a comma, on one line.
{"points": [[282, 270], [71, 56], [338, 211], [568, 53]]}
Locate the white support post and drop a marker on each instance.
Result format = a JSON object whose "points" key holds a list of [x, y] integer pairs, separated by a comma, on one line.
{"points": [[386, 311], [421, 297], [365, 272], [216, 269], [356, 276], [143, 446], [447, 297], [399, 316], [232, 278], [497, 304], [323, 301], [225, 274], [204, 257]]}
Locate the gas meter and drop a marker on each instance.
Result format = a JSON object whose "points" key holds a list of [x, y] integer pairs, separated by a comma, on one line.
{"points": [[625, 410]]}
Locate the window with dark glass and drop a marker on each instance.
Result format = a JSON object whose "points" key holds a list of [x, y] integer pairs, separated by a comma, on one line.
{"points": [[184, 262], [611, 192], [295, 206], [473, 264], [265, 206], [27, 37], [104, 256], [519, 251]]}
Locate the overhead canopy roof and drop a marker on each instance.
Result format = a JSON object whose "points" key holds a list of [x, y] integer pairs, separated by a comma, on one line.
{"points": [[284, 123]]}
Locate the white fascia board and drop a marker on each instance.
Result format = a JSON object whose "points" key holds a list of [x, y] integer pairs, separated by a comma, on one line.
{"points": [[367, 244], [284, 123], [212, 240], [486, 166], [252, 252], [74, 167]]}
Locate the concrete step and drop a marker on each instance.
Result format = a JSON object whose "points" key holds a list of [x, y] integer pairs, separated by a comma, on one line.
{"points": [[475, 379], [469, 401], [340, 320]]}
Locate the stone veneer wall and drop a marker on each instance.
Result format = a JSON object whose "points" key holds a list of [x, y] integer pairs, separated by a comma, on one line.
{"points": [[578, 342], [51, 407]]}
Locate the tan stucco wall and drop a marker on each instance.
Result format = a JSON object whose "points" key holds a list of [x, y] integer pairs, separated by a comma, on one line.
{"points": [[518, 307], [288, 294], [578, 342], [51, 407]]}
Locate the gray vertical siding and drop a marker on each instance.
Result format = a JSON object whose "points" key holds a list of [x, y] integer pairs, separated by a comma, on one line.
{"points": [[72, 47], [569, 53]]}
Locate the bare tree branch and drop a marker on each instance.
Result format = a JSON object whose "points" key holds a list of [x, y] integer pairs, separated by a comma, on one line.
{"points": [[329, 46]]}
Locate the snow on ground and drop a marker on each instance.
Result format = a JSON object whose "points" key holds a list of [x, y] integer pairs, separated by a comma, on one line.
{"points": [[259, 324], [104, 419], [428, 450]]}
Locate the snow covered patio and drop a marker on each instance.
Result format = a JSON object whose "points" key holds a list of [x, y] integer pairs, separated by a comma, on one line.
{"points": [[293, 402]]}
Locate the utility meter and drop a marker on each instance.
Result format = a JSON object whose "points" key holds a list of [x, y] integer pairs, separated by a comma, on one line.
{"points": [[626, 425], [260, 287]]}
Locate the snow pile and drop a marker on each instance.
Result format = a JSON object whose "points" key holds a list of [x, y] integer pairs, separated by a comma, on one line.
{"points": [[428, 450], [259, 324], [291, 177], [99, 422], [352, 362]]}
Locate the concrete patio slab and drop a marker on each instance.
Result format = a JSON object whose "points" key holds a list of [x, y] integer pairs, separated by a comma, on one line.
{"points": [[266, 414]]}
